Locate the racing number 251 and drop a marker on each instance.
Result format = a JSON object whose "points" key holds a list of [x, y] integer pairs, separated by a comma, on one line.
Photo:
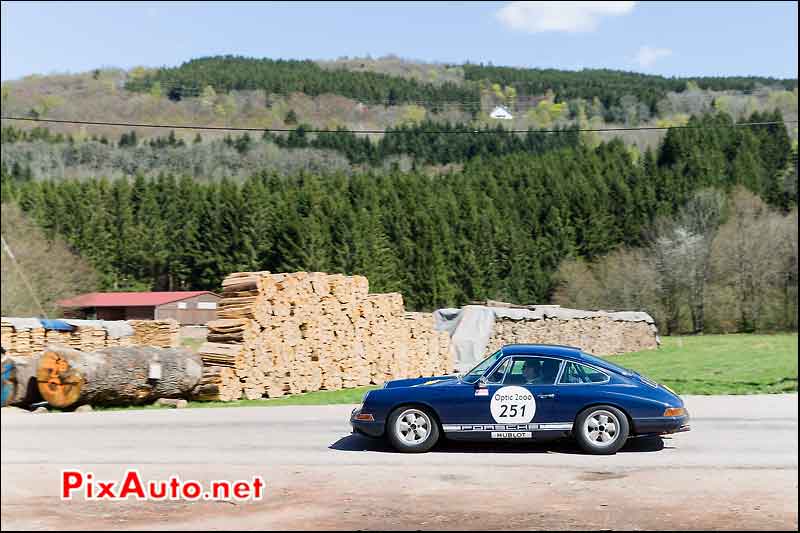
{"points": [[507, 410]]}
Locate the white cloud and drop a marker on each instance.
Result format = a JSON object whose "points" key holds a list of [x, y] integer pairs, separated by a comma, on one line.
{"points": [[647, 55], [536, 17]]}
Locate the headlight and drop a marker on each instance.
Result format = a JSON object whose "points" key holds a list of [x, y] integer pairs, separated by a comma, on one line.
{"points": [[675, 411]]}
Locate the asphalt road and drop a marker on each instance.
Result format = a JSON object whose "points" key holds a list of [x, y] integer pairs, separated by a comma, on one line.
{"points": [[736, 469]]}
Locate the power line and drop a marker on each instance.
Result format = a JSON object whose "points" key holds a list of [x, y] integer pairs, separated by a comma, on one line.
{"points": [[373, 132]]}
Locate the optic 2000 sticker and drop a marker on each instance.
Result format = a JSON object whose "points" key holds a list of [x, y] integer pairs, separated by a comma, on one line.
{"points": [[513, 404]]}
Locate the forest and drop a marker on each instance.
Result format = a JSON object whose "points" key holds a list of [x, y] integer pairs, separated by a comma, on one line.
{"points": [[500, 227], [610, 86], [236, 73], [424, 143]]}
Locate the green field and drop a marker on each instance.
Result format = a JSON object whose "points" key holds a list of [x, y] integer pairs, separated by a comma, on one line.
{"points": [[720, 364], [702, 364]]}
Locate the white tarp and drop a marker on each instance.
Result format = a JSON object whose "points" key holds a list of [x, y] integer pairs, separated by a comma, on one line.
{"points": [[23, 324], [471, 326], [114, 328]]}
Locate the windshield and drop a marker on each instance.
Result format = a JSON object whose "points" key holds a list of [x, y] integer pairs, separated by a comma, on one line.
{"points": [[475, 374], [607, 365]]}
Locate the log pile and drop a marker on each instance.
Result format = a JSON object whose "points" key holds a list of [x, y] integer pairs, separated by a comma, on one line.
{"points": [[217, 383], [23, 341], [27, 341], [597, 333], [385, 336], [161, 333], [433, 347], [298, 332]]}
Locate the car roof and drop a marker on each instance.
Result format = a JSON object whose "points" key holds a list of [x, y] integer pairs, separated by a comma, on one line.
{"points": [[566, 352], [569, 352]]}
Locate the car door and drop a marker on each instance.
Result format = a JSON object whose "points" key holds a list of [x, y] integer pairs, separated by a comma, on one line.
{"points": [[504, 397], [579, 385], [542, 390]]}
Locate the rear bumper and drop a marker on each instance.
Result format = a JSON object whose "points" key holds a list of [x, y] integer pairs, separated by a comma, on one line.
{"points": [[661, 425], [370, 429]]}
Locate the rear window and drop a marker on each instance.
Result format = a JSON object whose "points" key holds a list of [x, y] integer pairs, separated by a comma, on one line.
{"points": [[577, 373]]}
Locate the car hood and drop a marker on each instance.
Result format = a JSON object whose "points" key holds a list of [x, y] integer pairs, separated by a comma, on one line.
{"points": [[420, 382]]}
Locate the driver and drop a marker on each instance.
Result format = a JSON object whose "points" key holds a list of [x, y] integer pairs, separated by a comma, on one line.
{"points": [[532, 373]]}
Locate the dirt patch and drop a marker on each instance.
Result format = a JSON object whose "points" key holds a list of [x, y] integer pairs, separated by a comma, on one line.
{"points": [[600, 476]]}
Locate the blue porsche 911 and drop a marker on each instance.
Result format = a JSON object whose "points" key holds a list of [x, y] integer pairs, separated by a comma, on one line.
{"points": [[528, 392]]}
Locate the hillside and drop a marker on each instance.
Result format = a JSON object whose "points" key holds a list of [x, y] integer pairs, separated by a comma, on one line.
{"points": [[373, 94], [353, 94]]}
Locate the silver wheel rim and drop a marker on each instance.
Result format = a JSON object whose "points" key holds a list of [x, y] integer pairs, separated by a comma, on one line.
{"points": [[413, 427], [601, 428]]}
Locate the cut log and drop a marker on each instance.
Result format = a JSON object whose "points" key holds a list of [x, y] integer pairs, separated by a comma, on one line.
{"points": [[119, 375]]}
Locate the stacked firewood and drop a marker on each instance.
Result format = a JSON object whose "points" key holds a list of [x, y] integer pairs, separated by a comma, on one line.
{"points": [[217, 383], [297, 332], [7, 335], [22, 341], [86, 337], [433, 347], [162, 333], [385, 337]]}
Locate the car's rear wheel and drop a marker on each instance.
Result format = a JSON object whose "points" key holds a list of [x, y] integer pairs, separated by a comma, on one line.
{"points": [[412, 429], [601, 429]]}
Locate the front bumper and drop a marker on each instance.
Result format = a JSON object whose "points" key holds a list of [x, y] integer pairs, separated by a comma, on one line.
{"points": [[370, 429]]}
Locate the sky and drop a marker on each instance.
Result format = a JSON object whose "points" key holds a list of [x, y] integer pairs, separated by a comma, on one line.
{"points": [[667, 38]]}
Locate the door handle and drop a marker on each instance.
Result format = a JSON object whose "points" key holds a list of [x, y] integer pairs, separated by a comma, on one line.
{"points": [[546, 396]]}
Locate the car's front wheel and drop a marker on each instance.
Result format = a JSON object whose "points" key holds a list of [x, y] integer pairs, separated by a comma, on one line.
{"points": [[601, 429], [412, 429]]}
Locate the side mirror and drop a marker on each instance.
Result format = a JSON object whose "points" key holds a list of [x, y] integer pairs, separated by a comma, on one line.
{"points": [[481, 383]]}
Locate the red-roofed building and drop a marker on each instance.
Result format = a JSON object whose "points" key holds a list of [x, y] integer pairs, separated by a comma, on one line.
{"points": [[187, 307]]}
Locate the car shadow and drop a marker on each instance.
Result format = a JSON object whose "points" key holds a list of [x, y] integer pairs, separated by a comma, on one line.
{"points": [[360, 443]]}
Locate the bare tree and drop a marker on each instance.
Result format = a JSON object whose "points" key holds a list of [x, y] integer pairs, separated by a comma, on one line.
{"points": [[673, 250], [624, 280], [700, 218], [788, 269], [629, 281], [51, 270], [746, 256], [576, 285]]}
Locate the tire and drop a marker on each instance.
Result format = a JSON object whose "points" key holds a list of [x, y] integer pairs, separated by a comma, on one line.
{"points": [[412, 429], [601, 430]]}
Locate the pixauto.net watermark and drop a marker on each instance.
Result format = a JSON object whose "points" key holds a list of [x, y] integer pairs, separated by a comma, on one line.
{"points": [[132, 486]]}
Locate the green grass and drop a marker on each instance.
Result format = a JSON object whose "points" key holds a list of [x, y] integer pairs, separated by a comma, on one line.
{"points": [[720, 364]]}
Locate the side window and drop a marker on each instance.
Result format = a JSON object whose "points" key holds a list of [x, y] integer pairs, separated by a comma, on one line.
{"points": [[533, 371], [499, 372], [578, 373]]}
